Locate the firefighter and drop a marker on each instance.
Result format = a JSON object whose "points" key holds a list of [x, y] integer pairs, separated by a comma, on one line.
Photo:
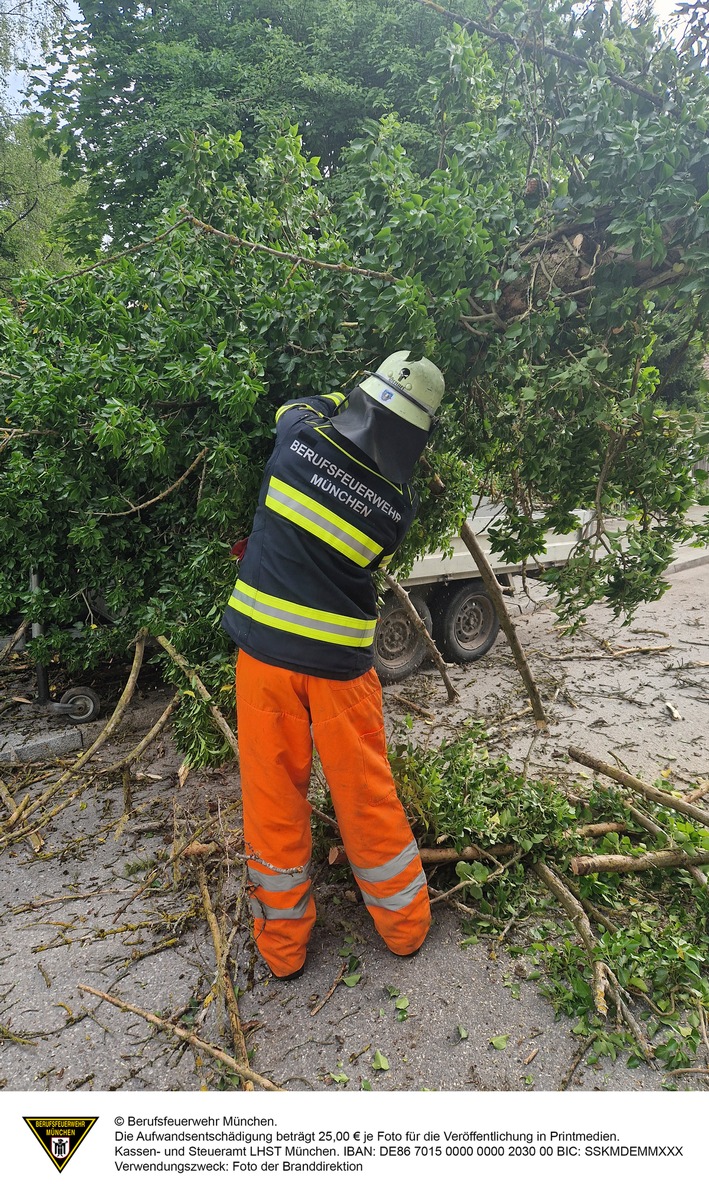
{"points": [[335, 503]]}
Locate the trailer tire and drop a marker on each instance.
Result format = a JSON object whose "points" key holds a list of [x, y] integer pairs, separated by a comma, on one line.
{"points": [[398, 648], [465, 624]]}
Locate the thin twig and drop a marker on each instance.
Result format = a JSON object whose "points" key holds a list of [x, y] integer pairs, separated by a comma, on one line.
{"points": [[345, 268], [576, 1061], [136, 508], [143, 744], [502, 867], [104, 262], [321, 1003], [223, 976], [409, 704]]}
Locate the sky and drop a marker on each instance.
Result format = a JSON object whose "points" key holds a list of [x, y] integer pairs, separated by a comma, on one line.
{"points": [[664, 8]]}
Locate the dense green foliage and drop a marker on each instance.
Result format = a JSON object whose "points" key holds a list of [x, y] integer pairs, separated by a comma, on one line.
{"points": [[125, 81], [535, 220]]}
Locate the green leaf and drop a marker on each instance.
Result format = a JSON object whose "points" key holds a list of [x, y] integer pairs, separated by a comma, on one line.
{"points": [[380, 1062], [500, 1042]]}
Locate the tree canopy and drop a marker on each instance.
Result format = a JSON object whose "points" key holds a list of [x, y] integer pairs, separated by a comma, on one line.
{"points": [[544, 240], [127, 79]]}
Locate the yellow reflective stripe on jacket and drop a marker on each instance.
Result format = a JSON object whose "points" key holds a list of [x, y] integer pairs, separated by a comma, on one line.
{"points": [[313, 623], [338, 398], [322, 522], [295, 404]]}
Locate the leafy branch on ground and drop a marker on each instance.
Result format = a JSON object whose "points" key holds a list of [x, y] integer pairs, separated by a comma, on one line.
{"points": [[651, 927]]}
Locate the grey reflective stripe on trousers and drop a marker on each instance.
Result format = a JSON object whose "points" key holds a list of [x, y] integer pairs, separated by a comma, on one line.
{"points": [[279, 883], [388, 869], [399, 899], [266, 913]]}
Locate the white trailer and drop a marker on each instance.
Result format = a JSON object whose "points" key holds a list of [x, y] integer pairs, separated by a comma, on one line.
{"points": [[448, 593]]}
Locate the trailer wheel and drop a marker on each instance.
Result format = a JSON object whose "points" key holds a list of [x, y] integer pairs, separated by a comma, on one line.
{"points": [[465, 624], [85, 705], [398, 648]]}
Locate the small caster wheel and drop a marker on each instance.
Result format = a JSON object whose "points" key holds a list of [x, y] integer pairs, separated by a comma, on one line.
{"points": [[83, 703]]}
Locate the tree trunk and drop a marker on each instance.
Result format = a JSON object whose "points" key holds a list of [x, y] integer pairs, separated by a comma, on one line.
{"points": [[625, 863]]}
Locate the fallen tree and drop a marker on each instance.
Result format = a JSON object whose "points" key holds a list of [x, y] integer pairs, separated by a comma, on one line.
{"points": [[508, 845], [546, 246]]}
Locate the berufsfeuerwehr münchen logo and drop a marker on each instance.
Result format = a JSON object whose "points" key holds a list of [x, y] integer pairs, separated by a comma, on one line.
{"points": [[60, 1137]]}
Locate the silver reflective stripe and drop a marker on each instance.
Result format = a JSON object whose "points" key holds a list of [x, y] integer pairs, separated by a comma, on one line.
{"points": [[278, 883], [299, 508], [266, 913], [399, 899], [388, 869], [296, 618]]}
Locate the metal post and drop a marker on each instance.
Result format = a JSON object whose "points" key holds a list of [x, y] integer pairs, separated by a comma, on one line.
{"points": [[37, 631]]}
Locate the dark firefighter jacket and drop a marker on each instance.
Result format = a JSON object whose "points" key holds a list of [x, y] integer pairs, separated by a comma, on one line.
{"points": [[304, 598]]}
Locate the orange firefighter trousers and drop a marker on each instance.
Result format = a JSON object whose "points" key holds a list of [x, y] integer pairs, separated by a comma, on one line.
{"points": [[280, 713]]}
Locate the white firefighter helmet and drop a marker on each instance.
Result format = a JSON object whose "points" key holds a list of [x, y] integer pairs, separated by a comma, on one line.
{"points": [[410, 388]]}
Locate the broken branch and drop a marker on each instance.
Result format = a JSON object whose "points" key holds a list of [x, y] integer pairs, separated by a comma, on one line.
{"points": [[12, 642], [582, 925], [637, 785], [496, 595], [338, 858], [593, 864], [112, 723], [197, 684], [143, 744], [223, 976], [184, 1036], [135, 508], [405, 600]]}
